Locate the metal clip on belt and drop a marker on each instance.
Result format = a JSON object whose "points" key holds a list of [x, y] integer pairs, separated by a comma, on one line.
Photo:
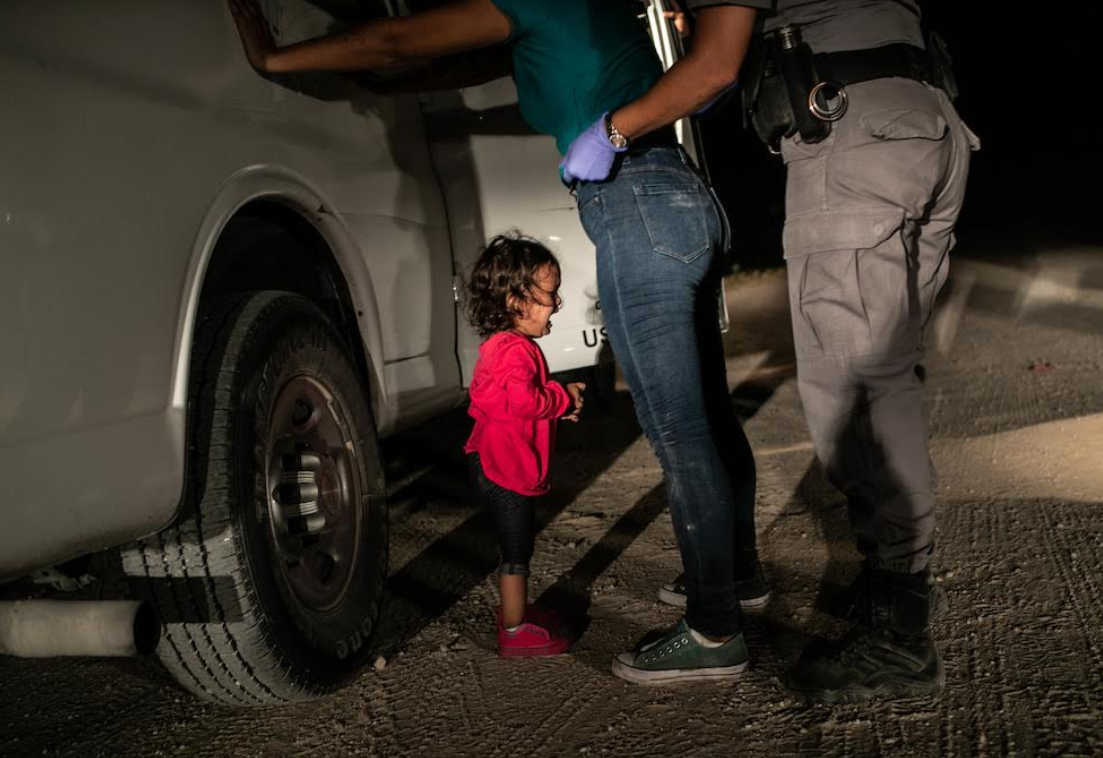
{"points": [[836, 70]]}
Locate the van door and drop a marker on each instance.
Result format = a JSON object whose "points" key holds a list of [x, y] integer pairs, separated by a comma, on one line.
{"points": [[380, 177], [498, 175]]}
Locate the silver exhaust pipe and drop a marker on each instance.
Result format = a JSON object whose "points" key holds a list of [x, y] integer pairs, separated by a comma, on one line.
{"points": [[49, 628]]}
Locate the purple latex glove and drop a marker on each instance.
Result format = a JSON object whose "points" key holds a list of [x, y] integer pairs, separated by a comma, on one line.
{"points": [[590, 157]]}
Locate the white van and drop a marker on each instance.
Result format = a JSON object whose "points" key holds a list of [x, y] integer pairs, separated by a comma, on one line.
{"points": [[217, 293]]}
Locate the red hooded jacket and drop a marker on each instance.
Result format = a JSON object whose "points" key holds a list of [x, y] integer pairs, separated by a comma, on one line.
{"points": [[516, 408]]}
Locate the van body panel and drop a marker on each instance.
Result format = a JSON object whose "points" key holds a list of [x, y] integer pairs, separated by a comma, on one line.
{"points": [[132, 134]]}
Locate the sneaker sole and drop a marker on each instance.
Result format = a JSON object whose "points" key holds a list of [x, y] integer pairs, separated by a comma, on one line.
{"points": [[678, 600], [676, 676], [754, 603], [534, 652]]}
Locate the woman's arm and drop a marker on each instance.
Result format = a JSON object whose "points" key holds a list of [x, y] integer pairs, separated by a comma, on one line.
{"points": [[453, 28], [451, 72]]}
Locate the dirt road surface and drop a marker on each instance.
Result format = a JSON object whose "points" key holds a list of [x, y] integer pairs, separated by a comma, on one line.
{"points": [[1015, 392]]}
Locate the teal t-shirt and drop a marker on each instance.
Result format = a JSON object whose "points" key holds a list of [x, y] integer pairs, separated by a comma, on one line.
{"points": [[576, 59]]}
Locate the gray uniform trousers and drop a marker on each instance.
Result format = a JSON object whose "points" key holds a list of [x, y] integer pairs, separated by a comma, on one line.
{"points": [[870, 213]]}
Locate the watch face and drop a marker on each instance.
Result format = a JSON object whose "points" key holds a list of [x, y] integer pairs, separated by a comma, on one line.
{"points": [[616, 139]]}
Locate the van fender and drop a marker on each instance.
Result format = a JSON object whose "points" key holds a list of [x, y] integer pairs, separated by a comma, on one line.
{"points": [[278, 184]]}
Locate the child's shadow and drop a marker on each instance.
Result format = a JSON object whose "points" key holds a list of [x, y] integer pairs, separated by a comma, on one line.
{"points": [[572, 591]]}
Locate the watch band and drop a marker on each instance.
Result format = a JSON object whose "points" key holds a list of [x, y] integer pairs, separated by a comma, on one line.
{"points": [[616, 139]]}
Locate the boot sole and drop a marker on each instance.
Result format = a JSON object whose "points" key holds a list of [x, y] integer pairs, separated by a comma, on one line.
{"points": [[676, 676], [890, 688], [678, 600]]}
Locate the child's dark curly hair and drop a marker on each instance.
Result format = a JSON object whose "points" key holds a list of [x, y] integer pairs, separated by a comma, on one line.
{"points": [[505, 268]]}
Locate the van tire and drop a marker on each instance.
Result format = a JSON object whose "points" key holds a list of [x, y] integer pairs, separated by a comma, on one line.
{"points": [[270, 580]]}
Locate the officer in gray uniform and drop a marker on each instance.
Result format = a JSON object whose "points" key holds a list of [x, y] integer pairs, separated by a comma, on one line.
{"points": [[859, 107]]}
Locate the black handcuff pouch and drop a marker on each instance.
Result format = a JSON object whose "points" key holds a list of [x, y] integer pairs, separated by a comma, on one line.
{"points": [[780, 75]]}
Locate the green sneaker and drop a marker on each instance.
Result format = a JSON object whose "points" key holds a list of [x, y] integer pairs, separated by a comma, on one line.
{"points": [[680, 656], [752, 592]]}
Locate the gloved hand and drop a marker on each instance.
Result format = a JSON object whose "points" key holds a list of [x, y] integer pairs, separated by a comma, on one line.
{"points": [[590, 157]]}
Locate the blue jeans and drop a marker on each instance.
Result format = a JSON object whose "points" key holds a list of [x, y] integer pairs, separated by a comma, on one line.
{"points": [[660, 236]]}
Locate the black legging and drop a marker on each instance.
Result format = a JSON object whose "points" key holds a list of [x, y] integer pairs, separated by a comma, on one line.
{"points": [[514, 520]]}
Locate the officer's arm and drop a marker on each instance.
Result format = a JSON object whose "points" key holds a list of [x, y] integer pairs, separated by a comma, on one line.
{"points": [[451, 28], [720, 43]]}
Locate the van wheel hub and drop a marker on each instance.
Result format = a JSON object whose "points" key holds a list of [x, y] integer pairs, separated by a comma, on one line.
{"points": [[313, 494]]}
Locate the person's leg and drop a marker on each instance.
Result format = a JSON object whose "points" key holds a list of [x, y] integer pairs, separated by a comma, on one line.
{"points": [[656, 230], [523, 630], [867, 238], [515, 527], [865, 412], [735, 451], [513, 589], [727, 432]]}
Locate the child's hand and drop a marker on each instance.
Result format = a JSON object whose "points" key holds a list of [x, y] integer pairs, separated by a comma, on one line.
{"points": [[574, 389]]}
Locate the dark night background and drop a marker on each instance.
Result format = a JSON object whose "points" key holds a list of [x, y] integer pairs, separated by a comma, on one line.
{"points": [[1029, 80]]}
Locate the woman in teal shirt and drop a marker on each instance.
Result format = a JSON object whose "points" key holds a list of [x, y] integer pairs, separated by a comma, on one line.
{"points": [[660, 238]]}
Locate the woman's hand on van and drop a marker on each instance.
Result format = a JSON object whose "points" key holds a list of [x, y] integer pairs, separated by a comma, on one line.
{"points": [[256, 37]]}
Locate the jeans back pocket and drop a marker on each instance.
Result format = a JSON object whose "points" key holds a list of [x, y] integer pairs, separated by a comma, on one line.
{"points": [[676, 217]]}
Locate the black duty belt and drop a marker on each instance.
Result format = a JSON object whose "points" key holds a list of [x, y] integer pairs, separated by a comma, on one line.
{"points": [[854, 66], [790, 89]]}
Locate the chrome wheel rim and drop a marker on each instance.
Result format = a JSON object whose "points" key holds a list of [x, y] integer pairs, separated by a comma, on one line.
{"points": [[313, 493]]}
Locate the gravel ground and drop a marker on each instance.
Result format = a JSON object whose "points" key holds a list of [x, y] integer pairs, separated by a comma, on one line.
{"points": [[1016, 405]]}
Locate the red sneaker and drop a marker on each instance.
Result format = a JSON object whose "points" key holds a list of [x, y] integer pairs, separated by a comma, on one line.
{"points": [[531, 640], [545, 617]]}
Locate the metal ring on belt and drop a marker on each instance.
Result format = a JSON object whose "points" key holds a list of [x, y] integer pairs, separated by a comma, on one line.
{"points": [[824, 111]]}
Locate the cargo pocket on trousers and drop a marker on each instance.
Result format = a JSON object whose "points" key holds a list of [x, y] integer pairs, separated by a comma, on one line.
{"points": [[675, 216], [911, 123], [828, 281]]}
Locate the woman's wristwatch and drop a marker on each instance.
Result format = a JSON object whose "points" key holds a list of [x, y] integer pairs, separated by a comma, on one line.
{"points": [[616, 139]]}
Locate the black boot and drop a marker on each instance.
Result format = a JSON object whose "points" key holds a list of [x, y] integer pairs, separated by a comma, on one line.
{"points": [[852, 602], [889, 652]]}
